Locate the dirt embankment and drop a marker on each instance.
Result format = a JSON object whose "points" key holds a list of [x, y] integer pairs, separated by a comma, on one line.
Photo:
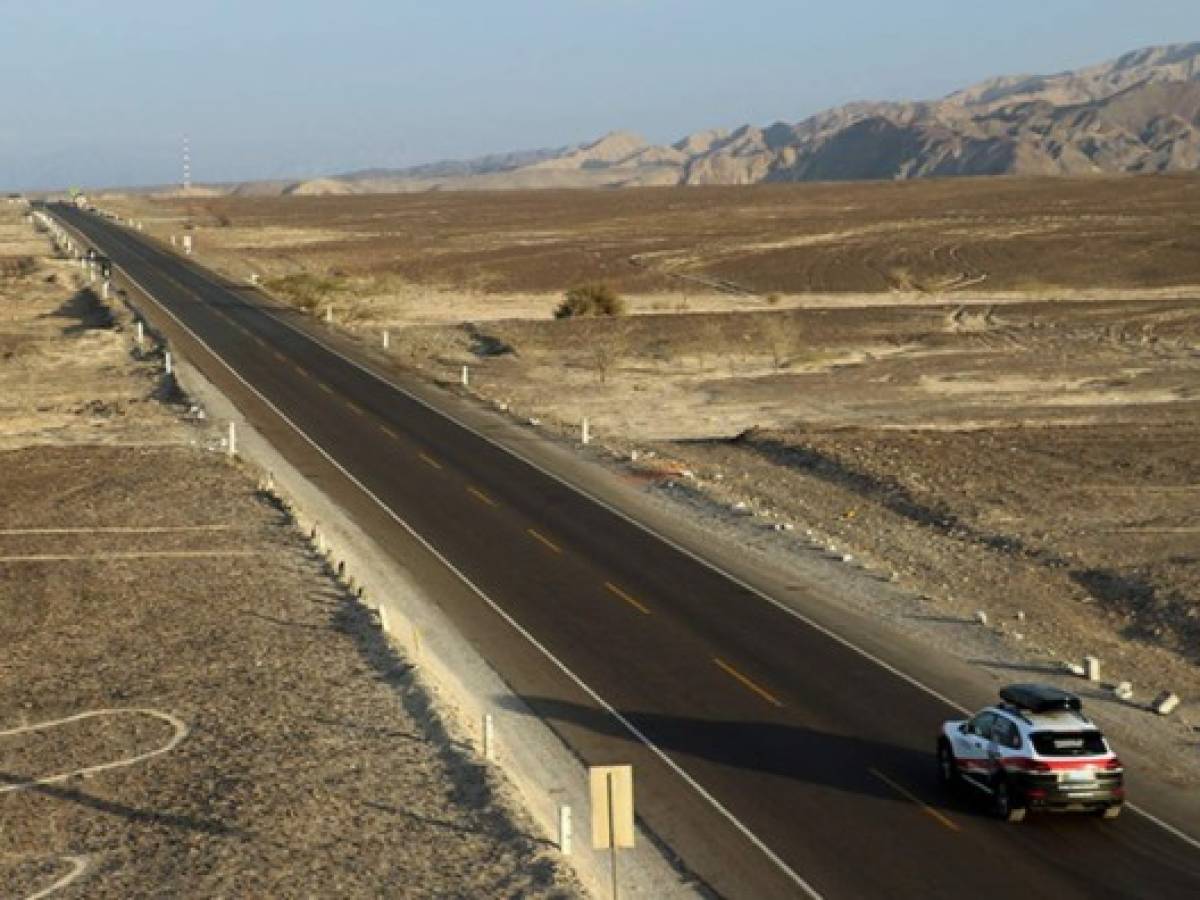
{"points": [[191, 703]]}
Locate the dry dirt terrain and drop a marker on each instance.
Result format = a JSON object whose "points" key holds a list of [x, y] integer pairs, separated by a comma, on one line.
{"points": [[995, 235], [988, 390], [190, 703]]}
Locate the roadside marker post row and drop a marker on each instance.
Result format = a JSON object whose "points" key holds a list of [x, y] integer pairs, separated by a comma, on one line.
{"points": [[611, 787]]}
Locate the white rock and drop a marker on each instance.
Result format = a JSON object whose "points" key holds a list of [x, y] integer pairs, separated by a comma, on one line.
{"points": [[1123, 691], [981, 617], [1164, 704]]}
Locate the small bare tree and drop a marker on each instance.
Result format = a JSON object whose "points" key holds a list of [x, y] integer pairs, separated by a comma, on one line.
{"points": [[609, 345], [778, 334]]}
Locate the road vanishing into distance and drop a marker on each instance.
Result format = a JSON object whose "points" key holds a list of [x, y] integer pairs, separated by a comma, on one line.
{"points": [[821, 757]]}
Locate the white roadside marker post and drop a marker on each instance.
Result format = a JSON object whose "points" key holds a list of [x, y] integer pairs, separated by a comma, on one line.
{"points": [[585, 436], [387, 339], [141, 332], [167, 367], [466, 376], [232, 440], [1091, 668], [564, 829], [329, 313]]}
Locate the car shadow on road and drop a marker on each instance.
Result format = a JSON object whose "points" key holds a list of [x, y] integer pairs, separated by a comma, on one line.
{"points": [[782, 755], [789, 753]]}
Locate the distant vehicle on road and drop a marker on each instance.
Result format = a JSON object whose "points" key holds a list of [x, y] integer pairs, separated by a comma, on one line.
{"points": [[1034, 750]]}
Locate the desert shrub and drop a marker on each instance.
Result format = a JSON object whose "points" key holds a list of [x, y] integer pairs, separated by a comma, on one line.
{"points": [[17, 266], [303, 289], [591, 300]]}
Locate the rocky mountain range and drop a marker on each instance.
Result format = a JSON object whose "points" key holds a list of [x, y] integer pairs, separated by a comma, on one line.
{"points": [[1138, 113]]}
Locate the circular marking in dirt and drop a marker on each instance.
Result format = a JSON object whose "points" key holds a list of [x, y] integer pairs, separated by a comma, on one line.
{"points": [[79, 865], [181, 731]]}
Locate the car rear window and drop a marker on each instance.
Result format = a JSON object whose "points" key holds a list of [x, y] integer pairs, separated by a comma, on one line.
{"points": [[1068, 743]]}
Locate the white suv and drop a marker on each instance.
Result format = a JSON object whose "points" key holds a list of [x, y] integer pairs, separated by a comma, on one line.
{"points": [[1033, 750]]}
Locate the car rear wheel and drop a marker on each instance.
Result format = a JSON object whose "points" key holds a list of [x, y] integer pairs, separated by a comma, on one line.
{"points": [[1003, 804], [947, 765]]}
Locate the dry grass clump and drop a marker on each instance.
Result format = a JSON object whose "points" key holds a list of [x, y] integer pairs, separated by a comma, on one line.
{"points": [[304, 289], [596, 299], [17, 266]]}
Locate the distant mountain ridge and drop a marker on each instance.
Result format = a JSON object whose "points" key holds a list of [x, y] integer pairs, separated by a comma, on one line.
{"points": [[1137, 113]]}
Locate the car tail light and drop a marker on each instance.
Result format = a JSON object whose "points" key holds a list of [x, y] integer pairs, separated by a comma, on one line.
{"points": [[1036, 794], [1036, 765], [1114, 763]]}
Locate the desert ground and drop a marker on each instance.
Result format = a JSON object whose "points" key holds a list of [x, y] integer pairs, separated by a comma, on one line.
{"points": [[907, 238], [988, 390], [192, 704]]}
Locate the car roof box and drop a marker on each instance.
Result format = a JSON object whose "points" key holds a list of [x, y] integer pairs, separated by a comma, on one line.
{"points": [[1041, 698]]}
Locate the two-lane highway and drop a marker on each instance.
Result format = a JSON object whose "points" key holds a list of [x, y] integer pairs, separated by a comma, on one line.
{"points": [[783, 762]]}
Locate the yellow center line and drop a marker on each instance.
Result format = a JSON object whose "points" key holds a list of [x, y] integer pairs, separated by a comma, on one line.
{"points": [[544, 540], [388, 431], [480, 495], [299, 368], [640, 607], [355, 408], [429, 459], [279, 356], [904, 792], [746, 682], [323, 386]]}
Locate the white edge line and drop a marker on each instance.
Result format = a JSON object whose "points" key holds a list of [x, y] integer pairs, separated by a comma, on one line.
{"points": [[600, 701], [866, 654]]}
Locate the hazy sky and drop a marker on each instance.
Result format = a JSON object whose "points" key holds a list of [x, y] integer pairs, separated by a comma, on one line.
{"points": [[102, 92]]}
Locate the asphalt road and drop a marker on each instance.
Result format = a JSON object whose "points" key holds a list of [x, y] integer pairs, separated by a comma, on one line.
{"points": [[822, 757]]}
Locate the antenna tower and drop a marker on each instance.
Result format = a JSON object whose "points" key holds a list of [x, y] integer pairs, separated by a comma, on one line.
{"points": [[187, 164]]}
